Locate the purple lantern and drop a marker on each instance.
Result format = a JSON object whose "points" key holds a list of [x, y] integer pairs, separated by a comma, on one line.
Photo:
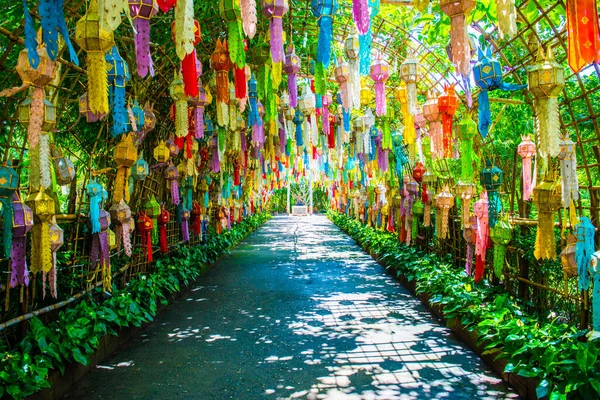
{"points": [[291, 67], [22, 223], [380, 72], [275, 10], [141, 12]]}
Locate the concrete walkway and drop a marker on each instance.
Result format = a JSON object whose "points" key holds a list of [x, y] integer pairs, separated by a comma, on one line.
{"points": [[296, 311]]}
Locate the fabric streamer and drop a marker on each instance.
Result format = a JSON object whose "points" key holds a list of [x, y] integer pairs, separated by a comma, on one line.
{"points": [[360, 13], [583, 33], [53, 22], [507, 17], [584, 249]]}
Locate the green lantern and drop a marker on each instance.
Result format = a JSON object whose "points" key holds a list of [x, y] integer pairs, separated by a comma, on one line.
{"points": [[501, 235], [153, 211], [492, 178], [230, 11]]}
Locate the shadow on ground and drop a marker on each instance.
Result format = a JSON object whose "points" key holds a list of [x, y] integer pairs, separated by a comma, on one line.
{"points": [[296, 311]]}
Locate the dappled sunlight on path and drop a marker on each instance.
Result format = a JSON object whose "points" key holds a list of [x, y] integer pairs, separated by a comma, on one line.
{"points": [[296, 311]]}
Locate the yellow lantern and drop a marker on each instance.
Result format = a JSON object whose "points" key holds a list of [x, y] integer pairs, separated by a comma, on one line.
{"points": [[162, 153], [125, 155], [547, 198]]}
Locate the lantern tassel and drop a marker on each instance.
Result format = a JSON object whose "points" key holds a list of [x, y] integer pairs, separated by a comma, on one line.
{"points": [[143, 57], [293, 90], [485, 116], [185, 230], [97, 82], [240, 83], [36, 117], [362, 19], [181, 119], [461, 49], [30, 38], [276, 27], [507, 17], [364, 55], [199, 122], [380, 99], [527, 180], [479, 268], [248, 11], [324, 45], [469, 259], [7, 224], [190, 74], [548, 126], [545, 246], [499, 256], [175, 192], [45, 174], [119, 110]]}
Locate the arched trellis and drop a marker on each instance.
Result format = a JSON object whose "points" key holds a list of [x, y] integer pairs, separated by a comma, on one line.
{"points": [[389, 36]]}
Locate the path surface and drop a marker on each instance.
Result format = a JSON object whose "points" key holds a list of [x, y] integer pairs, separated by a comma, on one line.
{"points": [[296, 311]]}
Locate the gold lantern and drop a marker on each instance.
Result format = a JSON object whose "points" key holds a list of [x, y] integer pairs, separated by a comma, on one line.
{"points": [[410, 72], [125, 155], [546, 79], [162, 153], [92, 37], [43, 207], [547, 198], [465, 191], [444, 201]]}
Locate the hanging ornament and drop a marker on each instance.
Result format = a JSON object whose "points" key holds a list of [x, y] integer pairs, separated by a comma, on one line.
{"points": [[95, 194], [501, 235], [466, 131], [166, 5], [470, 236], [459, 38], [248, 9], [184, 217], [351, 49], [299, 121], [125, 155], [185, 32], [142, 11], [291, 68], [152, 210], [465, 191], [488, 76], [526, 150], [230, 11], [481, 211], [177, 92], [121, 216], [9, 183], [342, 77], [507, 17], [43, 207], [197, 219], [444, 201], [431, 112], [547, 198], [100, 253], [146, 227], [275, 10], [583, 33], [568, 172], [118, 75], [84, 109], [546, 81], [492, 178], [448, 104], [199, 103], [409, 134], [595, 269], [171, 175], [366, 40], [53, 22], [324, 11], [191, 67], [56, 235], [380, 72], [163, 220], [360, 12], [584, 232], [221, 63], [412, 188], [307, 105], [22, 222], [96, 41], [410, 72]]}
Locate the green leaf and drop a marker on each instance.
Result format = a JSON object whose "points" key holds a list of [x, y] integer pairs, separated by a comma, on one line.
{"points": [[80, 358], [543, 388], [527, 373]]}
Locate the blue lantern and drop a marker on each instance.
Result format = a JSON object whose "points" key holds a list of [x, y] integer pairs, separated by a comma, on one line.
{"points": [[118, 75]]}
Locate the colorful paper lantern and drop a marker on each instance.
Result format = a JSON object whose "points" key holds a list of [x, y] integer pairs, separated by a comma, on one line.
{"points": [[492, 178], [547, 198], [91, 36], [22, 222], [141, 12], [465, 191], [507, 17], [230, 11], [448, 104], [410, 72], [351, 49], [118, 75], [444, 201], [459, 38], [121, 216], [526, 150], [380, 72], [222, 65], [481, 211], [488, 76], [568, 172], [324, 11], [501, 235], [431, 112], [546, 80], [466, 131], [584, 232], [291, 67], [248, 9], [125, 155]]}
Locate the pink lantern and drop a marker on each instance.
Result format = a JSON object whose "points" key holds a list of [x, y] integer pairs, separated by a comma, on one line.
{"points": [[275, 10], [342, 77], [526, 150], [380, 72]]}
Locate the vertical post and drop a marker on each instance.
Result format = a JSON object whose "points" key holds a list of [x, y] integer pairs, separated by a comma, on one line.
{"points": [[288, 197], [310, 194]]}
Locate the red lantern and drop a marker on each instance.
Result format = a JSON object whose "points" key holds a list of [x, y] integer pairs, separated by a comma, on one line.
{"points": [[418, 172], [221, 64], [448, 104], [188, 63]]}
